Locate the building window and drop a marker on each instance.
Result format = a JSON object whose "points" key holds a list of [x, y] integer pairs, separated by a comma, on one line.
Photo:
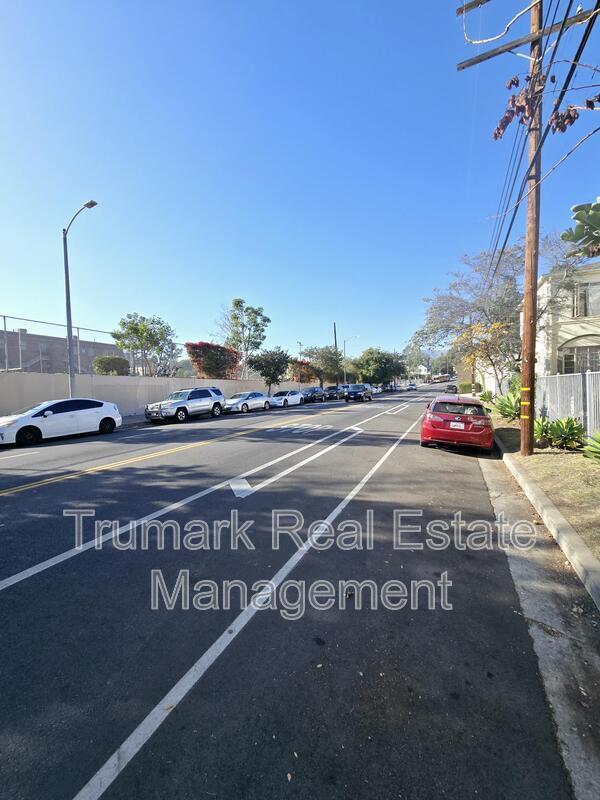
{"points": [[581, 359], [586, 300]]}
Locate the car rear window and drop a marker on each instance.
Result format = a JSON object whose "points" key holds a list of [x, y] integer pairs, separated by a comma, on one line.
{"points": [[444, 407]]}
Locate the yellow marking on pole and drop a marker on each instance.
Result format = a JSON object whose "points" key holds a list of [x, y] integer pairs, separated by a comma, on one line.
{"points": [[525, 403], [524, 417], [525, 389]]}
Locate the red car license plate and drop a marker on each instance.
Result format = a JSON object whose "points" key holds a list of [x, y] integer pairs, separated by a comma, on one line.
{"points": [[458, 425]]}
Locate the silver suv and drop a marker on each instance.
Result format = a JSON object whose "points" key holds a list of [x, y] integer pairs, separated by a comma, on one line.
{"points": [[185, 403]]}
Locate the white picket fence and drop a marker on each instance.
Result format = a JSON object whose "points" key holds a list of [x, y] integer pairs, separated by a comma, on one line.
{"points": [[570, 396]]}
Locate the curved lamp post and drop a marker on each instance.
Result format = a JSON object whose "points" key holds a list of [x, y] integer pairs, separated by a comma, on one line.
{"points": [[70, 356]]}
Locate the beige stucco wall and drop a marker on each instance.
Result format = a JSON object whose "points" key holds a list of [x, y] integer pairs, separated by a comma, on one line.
{"points": [[130, 393]]}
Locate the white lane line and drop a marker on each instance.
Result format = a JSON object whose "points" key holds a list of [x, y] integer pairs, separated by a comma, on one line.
{"points": [[18, 577], [406, 405], [108, 773], [252, 489], [18, 455]]}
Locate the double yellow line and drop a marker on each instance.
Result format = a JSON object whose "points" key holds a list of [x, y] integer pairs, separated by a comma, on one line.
{"points": [[144, 457]]}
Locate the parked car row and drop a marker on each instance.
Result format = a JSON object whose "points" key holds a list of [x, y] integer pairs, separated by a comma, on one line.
{"points": [[77, 415], [181, 405]]}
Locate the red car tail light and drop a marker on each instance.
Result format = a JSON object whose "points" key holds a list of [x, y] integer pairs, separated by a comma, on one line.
{"points": [[482, 421], [433, 417]]}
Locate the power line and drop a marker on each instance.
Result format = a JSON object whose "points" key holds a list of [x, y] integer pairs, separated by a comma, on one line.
{"points": [[563, 91], [499, 35], [514, 171]]}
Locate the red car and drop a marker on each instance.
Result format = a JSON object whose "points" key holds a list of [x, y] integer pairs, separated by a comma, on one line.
{"points": [[453, 419]]}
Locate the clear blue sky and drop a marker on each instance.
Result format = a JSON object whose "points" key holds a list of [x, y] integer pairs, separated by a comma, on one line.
{"points": [[321, 158]]}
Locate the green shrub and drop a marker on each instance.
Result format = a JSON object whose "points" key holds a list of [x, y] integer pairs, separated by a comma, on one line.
{"points": [[486, 397], [465, 388], [541, 429], [566, 434], [592, 449], [509, 405], [514, 382], [110, 365]]}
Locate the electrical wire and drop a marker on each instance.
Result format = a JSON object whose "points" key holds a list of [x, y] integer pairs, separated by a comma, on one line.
{"points": [[574, 62], [500, 35], [513, 170]]}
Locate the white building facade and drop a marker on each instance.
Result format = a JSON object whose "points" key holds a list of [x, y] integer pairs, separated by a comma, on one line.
{"points": [[568, 339]]}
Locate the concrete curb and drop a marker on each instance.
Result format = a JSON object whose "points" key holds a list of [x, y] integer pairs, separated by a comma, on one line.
{"points": [[132, 422], [583, 561]]}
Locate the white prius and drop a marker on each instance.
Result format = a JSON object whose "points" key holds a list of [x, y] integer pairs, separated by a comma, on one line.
{"points": [[59, 418]]}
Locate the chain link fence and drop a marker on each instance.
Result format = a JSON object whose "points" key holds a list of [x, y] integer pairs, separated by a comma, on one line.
{"points": [[34, 345]]}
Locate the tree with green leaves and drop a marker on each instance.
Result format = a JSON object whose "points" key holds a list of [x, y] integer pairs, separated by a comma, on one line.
{"points": [[149, 339], [379, 366], [243, 327], [414, 356], [325, 362], [110, 365], [586, 232], [443, 365], [271, 365], [479, 294]]}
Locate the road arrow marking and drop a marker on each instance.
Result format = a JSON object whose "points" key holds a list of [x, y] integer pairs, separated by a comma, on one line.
{"points": [[240, 487]]}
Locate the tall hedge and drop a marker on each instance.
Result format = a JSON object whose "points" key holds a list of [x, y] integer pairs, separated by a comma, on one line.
{"points": [[110, 365], [213, 360]]}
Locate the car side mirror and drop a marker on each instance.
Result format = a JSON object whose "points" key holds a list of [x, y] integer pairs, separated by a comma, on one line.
{"points": [[48, 413]]}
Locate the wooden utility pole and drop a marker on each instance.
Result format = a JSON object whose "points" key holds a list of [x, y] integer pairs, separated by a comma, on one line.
{"points": [[532, 235], [532, 241]]}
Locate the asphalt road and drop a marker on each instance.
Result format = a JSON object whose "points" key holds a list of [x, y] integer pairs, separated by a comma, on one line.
{"points": [[102, 696]]}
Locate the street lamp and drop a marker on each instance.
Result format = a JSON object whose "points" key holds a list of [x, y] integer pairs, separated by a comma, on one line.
{"points": [[355, 336], [70, 356]]}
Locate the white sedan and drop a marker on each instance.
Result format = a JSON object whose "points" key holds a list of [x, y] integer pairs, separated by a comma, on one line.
{"points": [[248, 401], [59, 418], [284, 399]]}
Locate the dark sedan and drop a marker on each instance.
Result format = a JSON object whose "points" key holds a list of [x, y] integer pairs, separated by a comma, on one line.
{"points": [[358, 392], [313, 395], [333, 392]]}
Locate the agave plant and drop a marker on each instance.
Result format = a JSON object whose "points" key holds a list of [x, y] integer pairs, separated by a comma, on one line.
{"points": [[508, 405], [566, 434], [592, 449], [541, 429], [486, 397]]}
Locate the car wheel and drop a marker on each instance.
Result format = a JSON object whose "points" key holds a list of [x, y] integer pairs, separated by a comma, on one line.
{"points": [[285, 403], [216, 410], [267, 405], [301, 403], [347, 399], [323, 399], [28, 436], [107, 425], [245, 408], [181, 415]]}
